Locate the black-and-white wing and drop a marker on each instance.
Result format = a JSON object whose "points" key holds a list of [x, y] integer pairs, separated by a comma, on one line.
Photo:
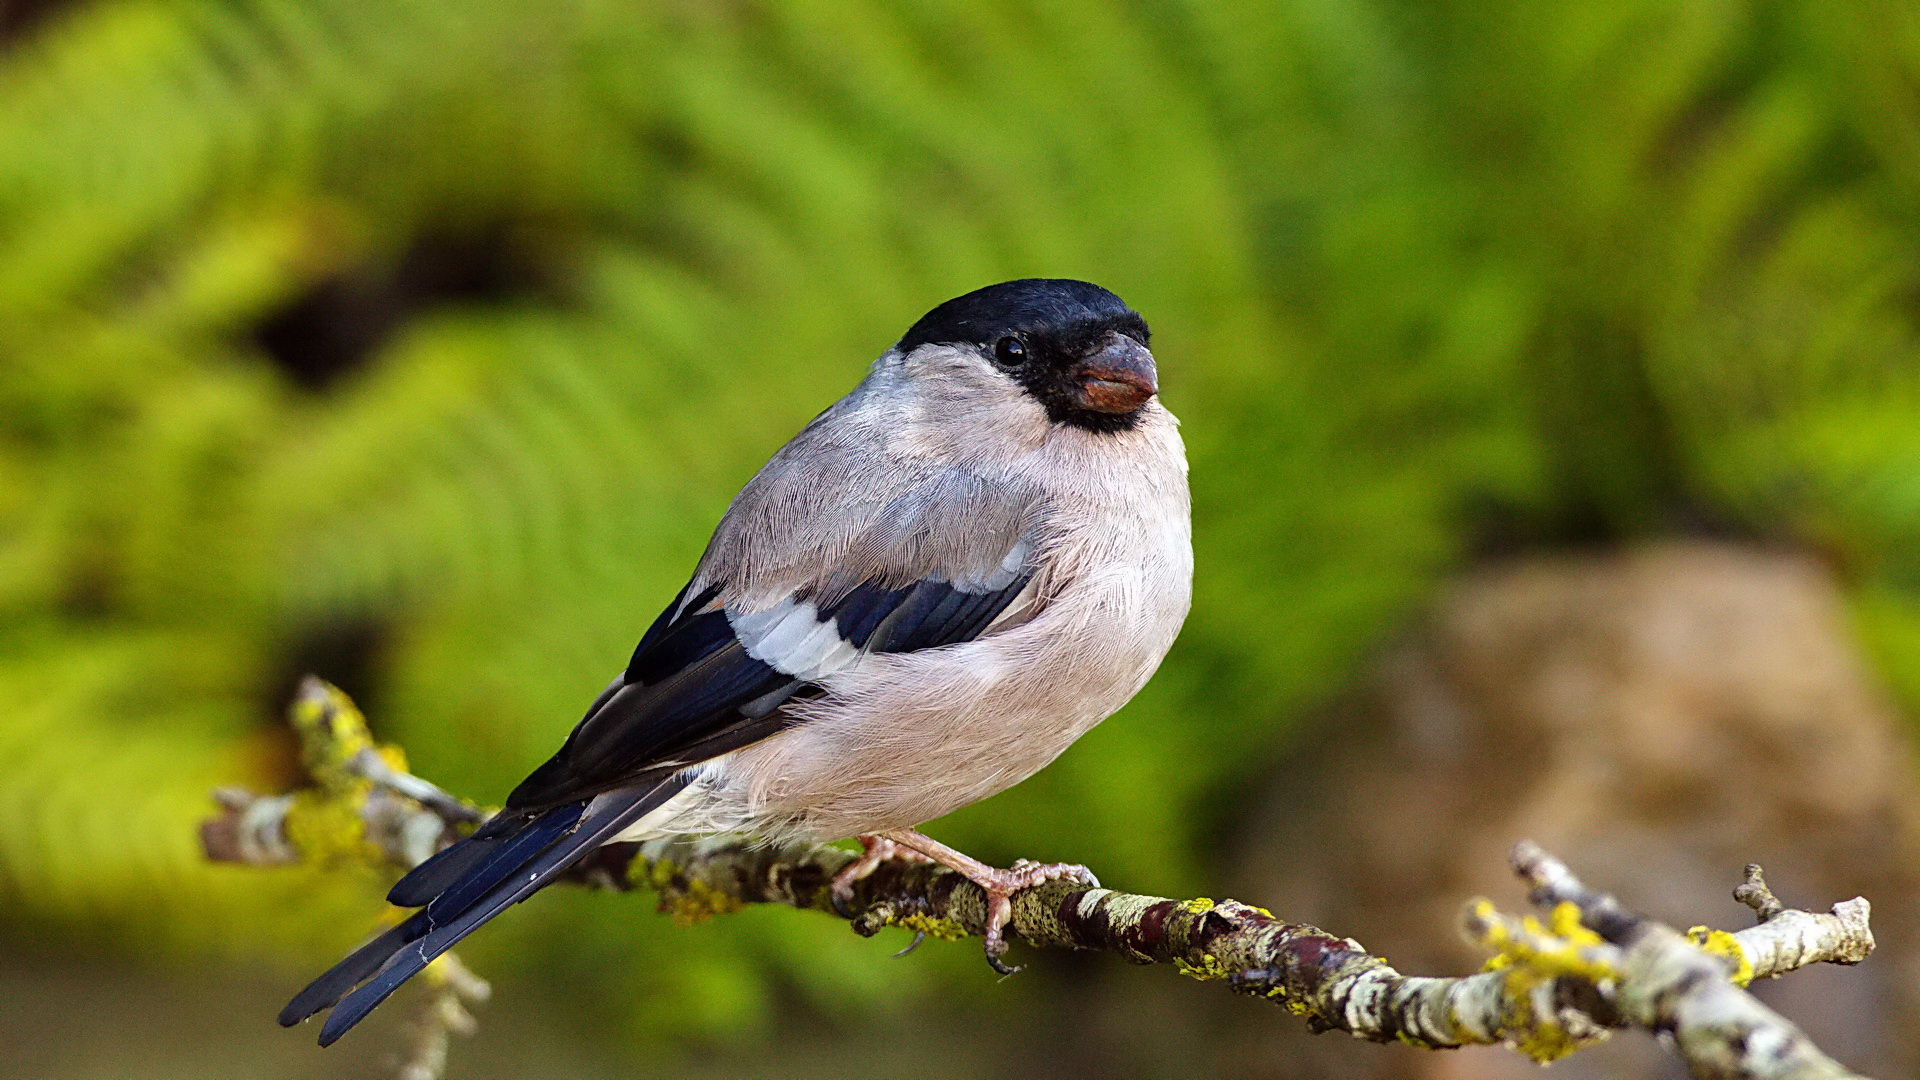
{"points": [[710, 676]]}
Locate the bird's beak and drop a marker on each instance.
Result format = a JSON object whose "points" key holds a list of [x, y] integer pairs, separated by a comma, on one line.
{"points": [[1119, 378]]}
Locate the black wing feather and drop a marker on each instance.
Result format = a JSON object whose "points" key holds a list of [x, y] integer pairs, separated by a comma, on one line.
{"points": [[642, 726], [924, 615]]}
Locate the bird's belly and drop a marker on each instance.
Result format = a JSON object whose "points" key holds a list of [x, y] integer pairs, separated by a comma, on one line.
{"points": [[909, 737]]}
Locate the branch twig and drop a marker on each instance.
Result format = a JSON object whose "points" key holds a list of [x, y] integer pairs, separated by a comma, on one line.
{"points": [[1550, 988], [1665, 982]]}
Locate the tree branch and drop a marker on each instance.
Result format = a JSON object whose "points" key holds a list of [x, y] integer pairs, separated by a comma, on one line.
{"points": [[1549, 989]]}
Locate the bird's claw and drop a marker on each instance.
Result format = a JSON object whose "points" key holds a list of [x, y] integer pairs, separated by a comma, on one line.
{"points": [[1000, 887], [918, 937], [997, 885], [996, 948]]}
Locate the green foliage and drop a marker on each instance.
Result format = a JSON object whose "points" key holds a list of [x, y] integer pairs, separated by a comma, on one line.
{"points": [[1423, 275]]}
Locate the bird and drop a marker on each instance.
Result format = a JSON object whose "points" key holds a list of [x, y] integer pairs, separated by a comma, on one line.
{"points": [[947, 577]]}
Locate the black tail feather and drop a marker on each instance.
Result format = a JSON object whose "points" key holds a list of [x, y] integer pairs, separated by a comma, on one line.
{"points": [[450, 864], [328, 989], [607, 815], [500, 864], [506, 869]]}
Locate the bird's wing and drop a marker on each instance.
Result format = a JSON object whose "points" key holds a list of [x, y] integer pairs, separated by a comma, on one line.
{"points": [[804, 577]]}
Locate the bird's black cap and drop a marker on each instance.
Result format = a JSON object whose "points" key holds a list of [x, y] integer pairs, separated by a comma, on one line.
{"points": [[1066, 342], [1059, 308]]}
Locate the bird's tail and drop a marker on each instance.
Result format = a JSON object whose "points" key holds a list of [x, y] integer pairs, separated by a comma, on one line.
{"points": [[458, 890]]}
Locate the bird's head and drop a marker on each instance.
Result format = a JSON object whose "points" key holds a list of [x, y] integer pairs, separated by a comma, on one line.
{"points": [[1075, 348]]}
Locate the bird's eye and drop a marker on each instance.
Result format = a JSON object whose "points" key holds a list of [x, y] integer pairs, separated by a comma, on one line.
{"points": [[1010, 352]]}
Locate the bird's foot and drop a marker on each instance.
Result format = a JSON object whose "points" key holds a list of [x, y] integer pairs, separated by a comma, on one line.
{"points": [[874, 851], [999, 885]]}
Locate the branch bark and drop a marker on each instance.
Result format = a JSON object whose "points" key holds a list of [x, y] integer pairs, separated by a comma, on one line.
{"points": [[1549, 989]]}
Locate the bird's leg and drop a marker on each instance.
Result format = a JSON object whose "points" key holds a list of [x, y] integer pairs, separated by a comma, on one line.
{"points": [[874, 851], [999, 885]]}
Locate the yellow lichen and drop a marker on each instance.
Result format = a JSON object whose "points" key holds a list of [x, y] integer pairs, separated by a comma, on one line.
{"points": [[944, 929], [695, 901], [1289, 1001], [1547, 1041], [1198, 906], [1539, 1036], [1726, 946], [395, 757], [1531, 958], [1561, 947], [657, 875], [1207, 969], [332, 733], [326, 829], [686, 900], [1564, 921]]}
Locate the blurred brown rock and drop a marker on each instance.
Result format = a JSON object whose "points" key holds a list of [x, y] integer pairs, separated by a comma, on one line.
{"points": [[1658, 718]]}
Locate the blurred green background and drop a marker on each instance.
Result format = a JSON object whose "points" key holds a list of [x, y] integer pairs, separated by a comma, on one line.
{"points": [[420, 344]]}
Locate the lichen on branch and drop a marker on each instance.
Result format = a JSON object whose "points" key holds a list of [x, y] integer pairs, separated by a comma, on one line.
{"points": [[1551, 987]]}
